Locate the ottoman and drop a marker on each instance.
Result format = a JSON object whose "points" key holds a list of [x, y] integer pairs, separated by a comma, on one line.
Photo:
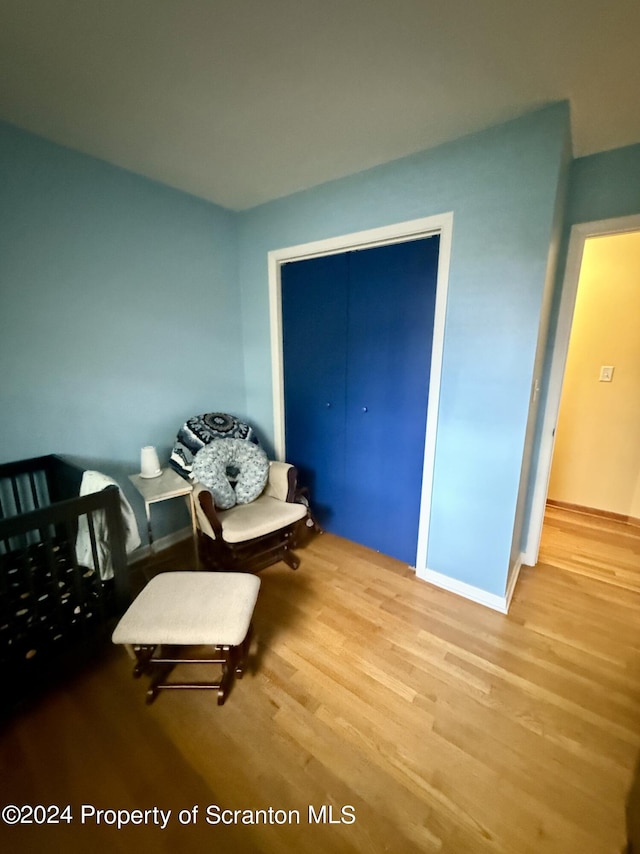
{"points": [[178, 614]]}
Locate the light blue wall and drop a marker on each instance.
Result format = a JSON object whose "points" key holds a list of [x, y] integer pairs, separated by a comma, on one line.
{"points": [[119, 312], [605, 186], [602, 186], [501, 186]]}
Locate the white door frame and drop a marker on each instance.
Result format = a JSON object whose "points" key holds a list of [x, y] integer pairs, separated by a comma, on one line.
{"points": [[441, 224], [579, 234]]}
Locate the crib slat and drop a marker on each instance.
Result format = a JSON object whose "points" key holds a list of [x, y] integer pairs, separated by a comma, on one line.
{"points": [[98, 604], [94, 547], [56, 589], [16, 495], [34, 491]]}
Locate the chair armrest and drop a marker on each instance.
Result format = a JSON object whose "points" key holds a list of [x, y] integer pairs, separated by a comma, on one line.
{"points": [[283, 482], [206, 512]]}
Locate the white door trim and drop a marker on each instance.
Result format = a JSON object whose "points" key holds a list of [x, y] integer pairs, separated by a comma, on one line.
{"points": [[441, 224], [579, 234]]}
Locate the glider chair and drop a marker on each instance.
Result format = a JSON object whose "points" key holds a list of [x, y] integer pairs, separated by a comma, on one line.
{"points": [[249, 511]]}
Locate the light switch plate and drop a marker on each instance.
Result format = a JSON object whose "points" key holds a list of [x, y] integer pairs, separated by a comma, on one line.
{"points": [[606, 373]]}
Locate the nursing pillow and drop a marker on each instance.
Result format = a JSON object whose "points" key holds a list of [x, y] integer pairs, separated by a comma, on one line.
{"points": [[225, 462]]}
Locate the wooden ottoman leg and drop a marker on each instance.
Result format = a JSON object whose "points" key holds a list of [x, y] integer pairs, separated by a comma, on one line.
{"points": [[242, 652], [159, 674], [226, 679], [143, 657], [234, 660]]}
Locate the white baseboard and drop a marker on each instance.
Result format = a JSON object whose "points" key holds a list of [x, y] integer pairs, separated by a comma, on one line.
{"points": [[476, 594], [159, 545]]}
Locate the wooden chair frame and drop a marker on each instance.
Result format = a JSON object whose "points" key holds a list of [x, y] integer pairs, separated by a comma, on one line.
{"points": [[253, 555]]}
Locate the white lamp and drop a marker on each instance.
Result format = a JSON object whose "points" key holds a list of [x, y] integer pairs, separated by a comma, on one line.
{"points": [[149, 462]]}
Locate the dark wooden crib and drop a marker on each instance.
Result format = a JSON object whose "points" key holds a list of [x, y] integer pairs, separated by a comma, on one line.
{"points": [[54, 612]]}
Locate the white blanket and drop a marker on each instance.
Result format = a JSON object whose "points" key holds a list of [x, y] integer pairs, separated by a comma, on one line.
{"points": [[94, 481]]}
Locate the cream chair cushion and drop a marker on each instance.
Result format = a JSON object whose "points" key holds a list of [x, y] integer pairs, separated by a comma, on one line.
{"points": [[247, 521]]}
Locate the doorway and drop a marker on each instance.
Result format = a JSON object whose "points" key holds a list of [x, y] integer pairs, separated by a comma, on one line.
{"points": [[596, 460], [579, 235], [441, 225]]}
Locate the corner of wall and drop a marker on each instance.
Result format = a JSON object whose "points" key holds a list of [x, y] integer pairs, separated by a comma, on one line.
{"points": [[527, 524]]}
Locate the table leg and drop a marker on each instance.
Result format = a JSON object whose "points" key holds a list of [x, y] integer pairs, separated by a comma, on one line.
{"points": [[191, 504], [147, 510]]}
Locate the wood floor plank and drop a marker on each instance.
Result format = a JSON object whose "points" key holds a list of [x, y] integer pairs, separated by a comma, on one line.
{"points": [[447, 727]]}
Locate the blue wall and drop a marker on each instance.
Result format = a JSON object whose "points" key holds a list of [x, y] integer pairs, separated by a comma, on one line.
{"points": [[601, 187], [119, 312], [127, 306], [501, 186], [605, 186]]}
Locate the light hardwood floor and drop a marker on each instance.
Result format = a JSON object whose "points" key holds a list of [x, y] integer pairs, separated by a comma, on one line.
{"points": [[447, 727]]}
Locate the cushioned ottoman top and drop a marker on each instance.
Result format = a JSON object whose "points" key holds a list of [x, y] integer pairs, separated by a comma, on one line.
{"points": [[191, 608]]}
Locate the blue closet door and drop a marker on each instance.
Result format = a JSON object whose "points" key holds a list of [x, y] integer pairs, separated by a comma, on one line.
{"points": [[357, 333], [391, 308], [314, 323]]}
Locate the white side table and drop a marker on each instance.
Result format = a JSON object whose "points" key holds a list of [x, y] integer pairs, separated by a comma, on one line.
{"points": [[167, 485]]}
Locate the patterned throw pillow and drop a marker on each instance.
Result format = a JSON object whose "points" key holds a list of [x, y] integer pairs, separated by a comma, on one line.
{"points": [[202, 429], [235, 471]]}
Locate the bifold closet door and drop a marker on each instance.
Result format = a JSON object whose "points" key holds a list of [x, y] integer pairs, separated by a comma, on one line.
{"points": [[314, 323], [357, 337], [390, 333]]}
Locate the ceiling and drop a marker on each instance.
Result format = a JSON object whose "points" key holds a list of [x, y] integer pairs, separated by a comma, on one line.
{"points": [[244, 101]]}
